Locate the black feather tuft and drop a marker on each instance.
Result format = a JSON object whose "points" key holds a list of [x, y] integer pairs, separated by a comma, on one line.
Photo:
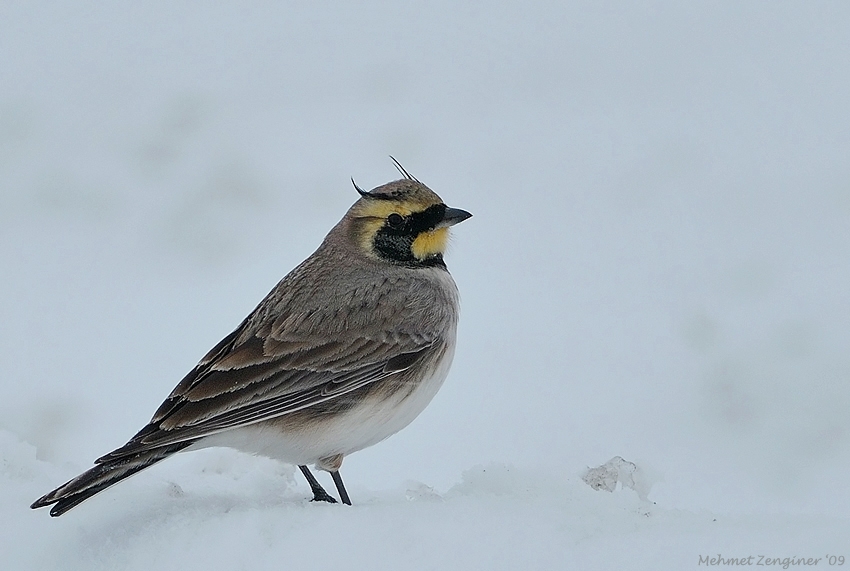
{"points": [[402, 170]]}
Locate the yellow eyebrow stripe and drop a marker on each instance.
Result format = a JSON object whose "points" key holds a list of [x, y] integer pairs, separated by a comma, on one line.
{"points": [[382, 209]]}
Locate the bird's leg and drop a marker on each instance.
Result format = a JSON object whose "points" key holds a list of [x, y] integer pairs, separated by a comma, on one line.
{"points": [[340, 487], [319, 493]]}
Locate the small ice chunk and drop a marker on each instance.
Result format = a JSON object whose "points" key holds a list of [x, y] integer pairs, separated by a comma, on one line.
{"points": [[417, 491], [614, 471]]}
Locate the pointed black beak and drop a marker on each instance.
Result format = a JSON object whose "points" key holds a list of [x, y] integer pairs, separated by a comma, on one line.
{"points": [[454, 216]]}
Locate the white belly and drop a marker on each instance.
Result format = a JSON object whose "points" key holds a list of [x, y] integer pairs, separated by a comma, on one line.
{"points": [[344, 433]]}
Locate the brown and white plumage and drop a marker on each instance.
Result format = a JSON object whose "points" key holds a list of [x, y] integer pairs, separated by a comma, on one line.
{"points": [[345, 351]]}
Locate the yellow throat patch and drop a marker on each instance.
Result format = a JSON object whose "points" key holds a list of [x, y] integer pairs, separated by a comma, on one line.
{"points": [[430, 243]]}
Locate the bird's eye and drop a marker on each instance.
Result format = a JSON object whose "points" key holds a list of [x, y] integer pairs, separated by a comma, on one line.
{"points": [[395, 220]]}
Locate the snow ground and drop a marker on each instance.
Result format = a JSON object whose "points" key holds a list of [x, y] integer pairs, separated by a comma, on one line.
{"points": [[656, 269]]}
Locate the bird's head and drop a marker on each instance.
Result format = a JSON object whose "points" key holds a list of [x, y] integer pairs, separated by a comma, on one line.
{"points": [[403, 222]]}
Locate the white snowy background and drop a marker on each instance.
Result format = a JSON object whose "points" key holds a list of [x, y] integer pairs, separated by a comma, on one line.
{"points": [[657, 268]]}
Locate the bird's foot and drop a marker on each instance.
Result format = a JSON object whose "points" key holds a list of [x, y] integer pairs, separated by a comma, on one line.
{"points": [[322, 496]]}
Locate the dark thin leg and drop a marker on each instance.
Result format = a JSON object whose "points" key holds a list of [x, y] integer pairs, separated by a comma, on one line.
{"points": [[319, 493], [340, 487]]}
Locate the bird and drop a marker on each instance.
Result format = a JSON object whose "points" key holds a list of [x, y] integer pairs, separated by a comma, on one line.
{"points": [[345, 351]]}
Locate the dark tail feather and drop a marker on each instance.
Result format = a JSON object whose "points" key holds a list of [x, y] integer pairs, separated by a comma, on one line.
{"points": [[101, 477]]}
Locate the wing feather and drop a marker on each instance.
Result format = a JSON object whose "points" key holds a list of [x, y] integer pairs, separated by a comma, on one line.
{"points": [[245, 385]]}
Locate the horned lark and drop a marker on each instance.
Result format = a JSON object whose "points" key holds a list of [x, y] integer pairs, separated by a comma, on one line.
{"points": [[345, 351]]}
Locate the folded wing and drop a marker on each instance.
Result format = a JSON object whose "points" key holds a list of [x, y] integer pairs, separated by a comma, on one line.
{"points": [[243, 381]]}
